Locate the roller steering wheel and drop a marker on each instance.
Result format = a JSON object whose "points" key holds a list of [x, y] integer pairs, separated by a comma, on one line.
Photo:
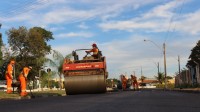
{"points": [[88, 53]]}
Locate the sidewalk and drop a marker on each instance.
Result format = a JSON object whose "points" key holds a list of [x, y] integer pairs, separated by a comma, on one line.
{"points": [[188, 90]]}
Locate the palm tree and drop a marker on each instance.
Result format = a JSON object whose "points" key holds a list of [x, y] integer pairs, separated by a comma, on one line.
{"points": [[161, 77], [142, 78]]}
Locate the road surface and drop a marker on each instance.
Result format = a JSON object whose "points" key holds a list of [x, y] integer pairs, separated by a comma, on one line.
{"points": [[122, 101]]}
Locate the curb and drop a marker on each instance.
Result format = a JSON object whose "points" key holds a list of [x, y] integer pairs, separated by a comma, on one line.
{"points": [[31, 97], [186, 91], [16, 98]]}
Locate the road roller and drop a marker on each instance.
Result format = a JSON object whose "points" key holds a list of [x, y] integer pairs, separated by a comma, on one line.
{"points": [[85, 76]]}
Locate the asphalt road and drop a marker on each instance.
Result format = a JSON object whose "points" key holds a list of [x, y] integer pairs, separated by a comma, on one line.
{"points": [[122, 101]]}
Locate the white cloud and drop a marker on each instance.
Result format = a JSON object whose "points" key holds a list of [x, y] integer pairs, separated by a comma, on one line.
{"points": [[162, 11], [75, 34], [128, 25], [158, 20], [83, 26], [47, 12], [190, 23]]}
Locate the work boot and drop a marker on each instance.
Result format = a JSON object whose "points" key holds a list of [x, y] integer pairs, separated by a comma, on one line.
{"points": [[24, 94], [8, 91]]}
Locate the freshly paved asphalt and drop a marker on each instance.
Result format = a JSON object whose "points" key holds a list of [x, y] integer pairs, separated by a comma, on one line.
{"points": [[122, 101]]}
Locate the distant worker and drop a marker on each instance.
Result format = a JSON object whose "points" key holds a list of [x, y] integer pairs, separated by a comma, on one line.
{"points": [[95, 51], [124, 82], [134, 82], [9, 75], [23, 79]]}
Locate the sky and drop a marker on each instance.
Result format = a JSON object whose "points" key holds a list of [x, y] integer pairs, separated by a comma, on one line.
{"points": [[118, 27]]}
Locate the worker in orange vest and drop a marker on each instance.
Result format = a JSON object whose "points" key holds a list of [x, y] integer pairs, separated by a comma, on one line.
{"points": [[23, 78], [9, 76], [95, 51], [134, 82], [124, 82]]}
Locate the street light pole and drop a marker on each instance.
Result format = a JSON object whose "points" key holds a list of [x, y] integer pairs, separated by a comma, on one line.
{"points": [[165, 66], [179, 67]]}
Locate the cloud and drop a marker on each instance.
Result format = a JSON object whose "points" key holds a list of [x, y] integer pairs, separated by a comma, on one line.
{"points": [[75, 34], [83, 26], [127, 25], [189, 23], [46, 12], [158, 19]]}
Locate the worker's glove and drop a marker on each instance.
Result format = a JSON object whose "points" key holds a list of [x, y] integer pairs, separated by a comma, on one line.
{"points": [[14, 81]]}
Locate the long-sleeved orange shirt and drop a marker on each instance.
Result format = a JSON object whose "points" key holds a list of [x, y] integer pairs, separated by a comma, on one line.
{"points": [[9, 70], [94, 50]]}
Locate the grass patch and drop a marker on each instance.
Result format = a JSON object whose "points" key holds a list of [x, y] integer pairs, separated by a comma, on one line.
{"points": [[162, 86], [4, 95], [49, 92]]}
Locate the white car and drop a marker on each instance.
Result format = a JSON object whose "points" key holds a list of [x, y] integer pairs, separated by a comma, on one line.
{"points": [[2, 84], [145, 85]]}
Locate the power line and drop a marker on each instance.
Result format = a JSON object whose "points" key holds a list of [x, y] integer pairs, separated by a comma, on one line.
{"points": [[172, 19], [170, 22], [25, 7]]}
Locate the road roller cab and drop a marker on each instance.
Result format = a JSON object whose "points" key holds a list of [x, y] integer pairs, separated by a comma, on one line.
{"points": [[85, 76]]}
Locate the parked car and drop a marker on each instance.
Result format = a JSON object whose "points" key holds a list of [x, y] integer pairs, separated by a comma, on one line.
{"points": [[2, 85]]}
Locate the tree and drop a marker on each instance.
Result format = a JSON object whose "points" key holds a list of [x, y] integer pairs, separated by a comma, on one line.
{"points": [[30, 47], [160, 77], [195, 54], [1, 54], [142, 78]]}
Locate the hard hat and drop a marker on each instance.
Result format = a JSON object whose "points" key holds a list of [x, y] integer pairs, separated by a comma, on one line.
{"points": [[94, 45], [12, 62]]}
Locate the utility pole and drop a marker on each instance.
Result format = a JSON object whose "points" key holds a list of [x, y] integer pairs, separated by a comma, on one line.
{"points": [[158, 68], [179, 67], [164, 53], [158, 72], [1, 44], [134, 73]]}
